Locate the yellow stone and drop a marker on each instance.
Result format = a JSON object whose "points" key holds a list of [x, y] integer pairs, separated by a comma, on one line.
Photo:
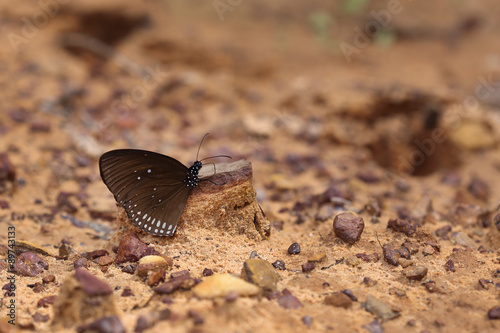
{"points": [[220, 285]]}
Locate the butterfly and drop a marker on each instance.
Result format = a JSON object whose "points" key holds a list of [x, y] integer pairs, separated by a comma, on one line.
{"points": [[151, 187]]}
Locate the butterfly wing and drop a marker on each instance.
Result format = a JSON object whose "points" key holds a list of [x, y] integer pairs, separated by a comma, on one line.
{"points": [[149, 186]]}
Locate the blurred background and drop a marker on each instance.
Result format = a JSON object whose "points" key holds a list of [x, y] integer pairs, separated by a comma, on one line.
{"points": [[310, 92]]}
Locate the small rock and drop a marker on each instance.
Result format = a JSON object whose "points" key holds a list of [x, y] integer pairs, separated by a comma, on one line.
{"points": [[405, 262], [308, 266], [179, 282], [324, 213], [197, 318], [415, 273], [142, 324], [473, 135], [339, 300], [111, 324], [261, 273], [348, 227], [462, 239], [48, 279], [40, 318], [151, 263], [105, 260], [220, 285], [422, 208], [38, 287], [320, 257], [379, 309], [398, 292], [91, 285], [392, 254], [494, 313], [287, 301], [374, 257], [350, 295], [40, 127], [431, 287], [484, 283], [207, 272], [29, 264], [400, 225], [307, 320], [428, 250], [294, 248], [127, 292], [46, 301], [479, 189], [374, 327], [369, 281], [96, 254], [373, 208], [154, 278], [443, 231], [81, 262], [279, 264], [131, 248], [253, 255], [129, 269]]}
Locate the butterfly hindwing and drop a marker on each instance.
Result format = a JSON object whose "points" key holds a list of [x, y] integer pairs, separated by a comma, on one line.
{"points": [[149, 186]]}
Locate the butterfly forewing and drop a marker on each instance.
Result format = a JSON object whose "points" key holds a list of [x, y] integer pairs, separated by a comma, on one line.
{"points": [[149, 186]]}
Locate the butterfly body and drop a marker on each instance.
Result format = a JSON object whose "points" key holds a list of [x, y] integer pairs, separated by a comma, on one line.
{"points": [[152, 188]]}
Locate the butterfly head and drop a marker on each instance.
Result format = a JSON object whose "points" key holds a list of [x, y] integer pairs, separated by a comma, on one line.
{"points": [[192, 175]]}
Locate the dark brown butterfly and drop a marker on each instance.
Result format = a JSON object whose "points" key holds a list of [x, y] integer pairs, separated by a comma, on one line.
{"points": [[152, 188]]}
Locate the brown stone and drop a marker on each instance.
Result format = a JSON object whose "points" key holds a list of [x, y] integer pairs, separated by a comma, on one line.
{"points": [[415, 273], [400, 225], [339, 300], [348, 227], [261, 273], [29, 264]]}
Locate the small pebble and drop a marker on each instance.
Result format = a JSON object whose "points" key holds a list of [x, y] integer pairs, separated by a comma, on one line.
{"points": [[105, 260], [415, 273], [111, 324], [348, 227], [131, 248], [96, 254], [40, 318], [129, 269], [307, 320], [207, 272], [287, 301], [91, 285], [29, 264], [369, 281], [127, 292], [392, 254], [81, 262], [308, 266], [324, 213], [431, 287], [485, 283], [479, 189], [374, 327], [46, 301], [220, 285], [294, 248], [450, 266], [49, 279], [339, 300], [379, 309], [197, 318], [443, 231], [494, 313], [279, 264], [261, 273], [403, 226], [350, 295]]}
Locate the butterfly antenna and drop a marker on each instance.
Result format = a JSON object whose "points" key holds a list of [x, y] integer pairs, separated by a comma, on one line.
{"points": [[206, 158], [200, 145]]}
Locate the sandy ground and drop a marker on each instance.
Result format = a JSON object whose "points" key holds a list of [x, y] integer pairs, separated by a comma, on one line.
{"points": [[404, 123]]}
